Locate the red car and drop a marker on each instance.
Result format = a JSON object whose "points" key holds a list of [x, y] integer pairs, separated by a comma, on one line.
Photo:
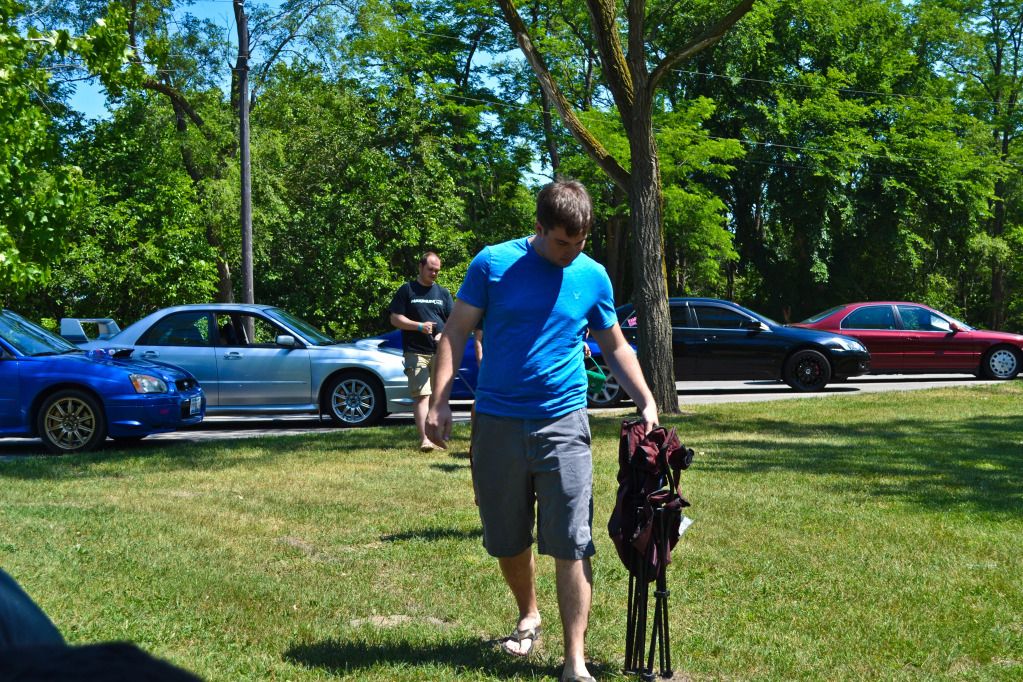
{"points": [[906, 338]]}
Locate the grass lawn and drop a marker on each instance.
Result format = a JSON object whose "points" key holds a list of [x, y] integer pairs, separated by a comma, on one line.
{"points": [[872, 537]]}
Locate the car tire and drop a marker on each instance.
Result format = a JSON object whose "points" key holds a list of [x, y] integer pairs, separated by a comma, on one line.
{"points": [[612, 393], [1001, 362], [354, 398], [71, 421], [807, 370]]}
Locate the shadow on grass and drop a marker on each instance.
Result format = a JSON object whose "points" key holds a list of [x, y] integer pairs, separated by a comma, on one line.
{"points": [[214, 455], [434, 534], [450, 468], [338, 657]]}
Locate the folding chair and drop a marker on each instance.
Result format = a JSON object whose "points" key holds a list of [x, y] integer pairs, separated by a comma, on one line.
{"points": [[645, 526]]}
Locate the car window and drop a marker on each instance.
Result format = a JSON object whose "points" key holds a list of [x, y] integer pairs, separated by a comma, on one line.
{"points": [[921, 319], [678, 317], [29, 338], [716, 317], [870, 317], [242, 329], [179, 329]]}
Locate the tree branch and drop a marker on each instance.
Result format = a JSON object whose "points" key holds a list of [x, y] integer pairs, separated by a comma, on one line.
{"points": [[709, 37], [590, 144], [604, 18], [179, 101]]}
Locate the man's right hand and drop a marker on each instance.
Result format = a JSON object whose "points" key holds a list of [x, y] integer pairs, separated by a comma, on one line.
{"points": [[438, 423]]}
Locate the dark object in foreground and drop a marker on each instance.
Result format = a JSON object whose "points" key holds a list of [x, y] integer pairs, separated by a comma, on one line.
{"points": [[645, 527], [104, 662], [33, 650]]}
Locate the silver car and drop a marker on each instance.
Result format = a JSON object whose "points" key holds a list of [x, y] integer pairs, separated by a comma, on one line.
{"points": [[261, 359]]}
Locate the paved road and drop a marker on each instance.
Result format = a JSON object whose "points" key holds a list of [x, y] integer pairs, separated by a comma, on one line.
{"points": [[690, 393]]}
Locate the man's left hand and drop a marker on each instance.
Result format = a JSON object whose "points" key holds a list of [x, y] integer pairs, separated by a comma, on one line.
{"points": [[649, 415]]}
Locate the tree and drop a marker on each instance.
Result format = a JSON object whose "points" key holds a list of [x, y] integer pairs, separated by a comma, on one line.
{"points": [[359, 191], [862, 179], [632, 77], [39, 191], [980, 44], [139, 242]]}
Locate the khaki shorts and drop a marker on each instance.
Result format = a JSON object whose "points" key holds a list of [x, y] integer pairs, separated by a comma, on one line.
{"points": [[419, 370]]}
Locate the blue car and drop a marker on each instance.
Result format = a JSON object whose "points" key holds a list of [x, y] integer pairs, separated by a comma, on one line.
{"points": [[73, 399]]}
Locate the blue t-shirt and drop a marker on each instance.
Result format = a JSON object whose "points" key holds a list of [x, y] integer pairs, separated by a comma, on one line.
{"points": [[536, 314]]}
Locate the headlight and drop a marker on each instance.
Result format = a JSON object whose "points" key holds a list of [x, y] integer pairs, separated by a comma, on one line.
{"points": [[850, 344], [144, 383]]}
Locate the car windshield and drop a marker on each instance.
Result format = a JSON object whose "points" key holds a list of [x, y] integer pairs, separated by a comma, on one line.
{"points": [[965, 327], [758, 316], [31, 339], [311, 333], [820, 316]]}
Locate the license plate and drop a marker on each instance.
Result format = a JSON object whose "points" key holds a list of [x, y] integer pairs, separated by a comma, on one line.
{"points": [[194, 405]]}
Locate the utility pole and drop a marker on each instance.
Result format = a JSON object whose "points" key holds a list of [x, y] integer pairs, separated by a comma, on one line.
{"points": [[242, 68]]}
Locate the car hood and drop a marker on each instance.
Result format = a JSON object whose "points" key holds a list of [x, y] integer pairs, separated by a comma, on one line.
{"points": [[363, 350], [102, 357], [814, 335], [1008, 337]]}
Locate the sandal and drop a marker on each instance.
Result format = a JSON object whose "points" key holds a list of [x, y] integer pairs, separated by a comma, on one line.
{"points": [[530, 635]]}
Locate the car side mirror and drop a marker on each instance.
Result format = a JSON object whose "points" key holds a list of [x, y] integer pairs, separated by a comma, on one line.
{"points": [[954, 327], [286, 340], [754, 326]]}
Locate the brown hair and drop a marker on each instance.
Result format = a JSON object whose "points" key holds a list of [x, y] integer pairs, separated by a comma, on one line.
{"points": [[426, 257], [564, 202]]}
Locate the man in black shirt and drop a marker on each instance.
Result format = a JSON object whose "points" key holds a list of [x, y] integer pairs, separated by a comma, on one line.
{"points": [[419, 309]]}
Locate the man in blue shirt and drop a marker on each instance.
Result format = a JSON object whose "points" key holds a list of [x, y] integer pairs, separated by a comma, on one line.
{"points": [[531, 443]]}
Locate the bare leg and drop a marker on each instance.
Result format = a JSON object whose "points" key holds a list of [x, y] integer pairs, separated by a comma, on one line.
{"points": [[420, 408], [575, 589], [520, 573]]}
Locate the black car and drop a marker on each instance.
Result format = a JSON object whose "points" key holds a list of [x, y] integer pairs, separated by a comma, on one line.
{"points": [[719, 340]]}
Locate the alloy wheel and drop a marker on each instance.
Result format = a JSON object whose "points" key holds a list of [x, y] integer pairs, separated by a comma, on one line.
{"points": [[353, 401], [70, 423]]}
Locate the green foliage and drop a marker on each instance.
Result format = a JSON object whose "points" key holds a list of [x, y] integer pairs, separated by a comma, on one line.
{"points": [[820, 153], [862, 178], [139, 244], [359, 192]]}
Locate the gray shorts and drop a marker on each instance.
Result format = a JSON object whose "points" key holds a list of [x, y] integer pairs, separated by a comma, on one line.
{"points": [[534, 470]]}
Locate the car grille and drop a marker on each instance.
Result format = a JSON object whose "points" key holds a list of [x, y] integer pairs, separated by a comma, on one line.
{"points": [[186, 384]]}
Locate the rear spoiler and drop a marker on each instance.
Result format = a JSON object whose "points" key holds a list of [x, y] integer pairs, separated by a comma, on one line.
{"points": [[71, 328]]}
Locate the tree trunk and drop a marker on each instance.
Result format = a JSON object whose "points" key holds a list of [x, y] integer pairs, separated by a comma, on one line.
{"points": [[650, 281], [614, 247], [225, 290]]}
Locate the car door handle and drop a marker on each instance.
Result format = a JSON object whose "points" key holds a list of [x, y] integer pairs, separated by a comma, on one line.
{"points": [[150, 354], [233, 355]]}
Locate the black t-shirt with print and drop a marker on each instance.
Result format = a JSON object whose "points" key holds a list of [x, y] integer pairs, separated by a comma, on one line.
{"points": [[422, 304]]}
